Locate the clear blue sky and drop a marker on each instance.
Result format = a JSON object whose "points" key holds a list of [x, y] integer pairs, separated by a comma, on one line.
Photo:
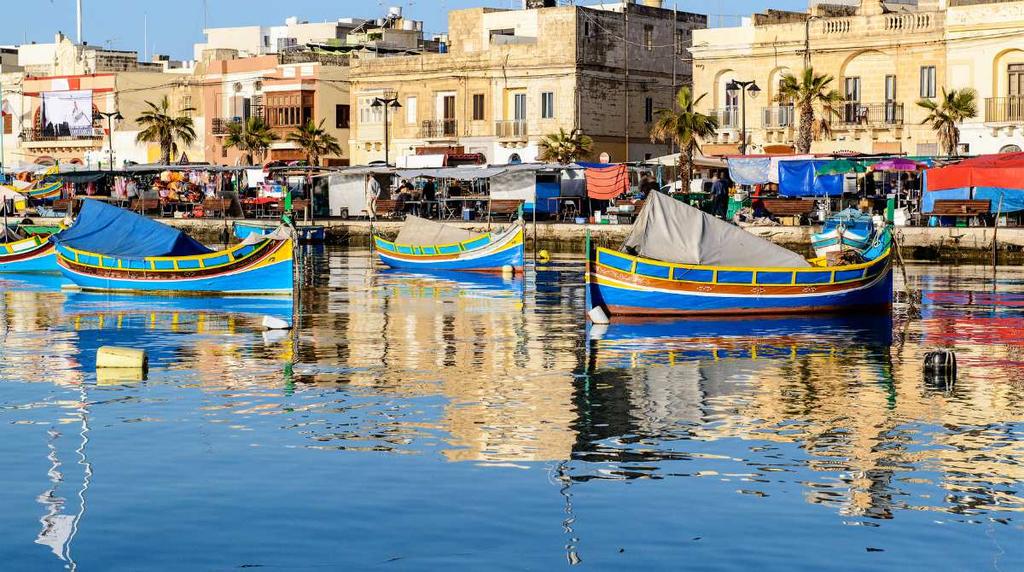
{"points": [[174, 25]]}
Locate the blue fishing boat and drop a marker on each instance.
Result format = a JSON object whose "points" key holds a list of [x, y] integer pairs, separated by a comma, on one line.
{"points": [[847, 229], [112, 249], [679, 261], [306, 233], [32, 254], [424, 245]]}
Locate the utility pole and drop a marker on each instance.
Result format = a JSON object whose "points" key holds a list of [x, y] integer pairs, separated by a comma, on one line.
{"points": [[625, 87]]}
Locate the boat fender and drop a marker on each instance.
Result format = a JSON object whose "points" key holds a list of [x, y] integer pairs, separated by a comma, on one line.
{"points": [[940, 361], [272, 323], [508, 269], [598, 316], [544, 256], [111, 357]]}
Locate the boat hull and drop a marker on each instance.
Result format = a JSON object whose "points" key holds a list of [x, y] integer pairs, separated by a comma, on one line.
{"points": [[824, 243], [305, 233], [623, 285], [508, 249], [260, 269], [34, 254]]}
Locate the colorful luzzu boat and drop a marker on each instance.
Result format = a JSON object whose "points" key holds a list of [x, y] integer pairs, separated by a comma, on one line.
{"points": [[306, 233], [687, 263], [424, 245], [33, 254], [111, 249], [849, 229]]}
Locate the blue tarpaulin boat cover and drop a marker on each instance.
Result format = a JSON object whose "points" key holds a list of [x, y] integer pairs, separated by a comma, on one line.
{"points": [[111, 231], [797, 179]]}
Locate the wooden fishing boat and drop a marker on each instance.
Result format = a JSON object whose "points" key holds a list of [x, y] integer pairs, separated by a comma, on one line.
{"points": [[112, 249], [33, 254], [45, 191], [848, 229], [774, 281], [306, 233], [424, 245]]}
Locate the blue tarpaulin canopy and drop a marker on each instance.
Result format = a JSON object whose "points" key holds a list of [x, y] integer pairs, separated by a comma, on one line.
{"points": [[1012, 199], [111, 231], [798, 179], [750, 170]]}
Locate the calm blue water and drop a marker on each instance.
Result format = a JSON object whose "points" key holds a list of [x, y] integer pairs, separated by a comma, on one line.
{"points": [[473, 423]]}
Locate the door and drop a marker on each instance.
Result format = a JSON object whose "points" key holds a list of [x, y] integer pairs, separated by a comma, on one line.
{"points": [[890, 99], [852, 108], [519, 107], [1015, 92], [448, 116]]}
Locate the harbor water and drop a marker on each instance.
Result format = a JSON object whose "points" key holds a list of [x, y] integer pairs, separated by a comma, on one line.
{"points": [[475, 422]]}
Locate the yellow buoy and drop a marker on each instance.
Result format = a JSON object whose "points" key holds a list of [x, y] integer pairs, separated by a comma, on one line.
{"points": [[110, 357], [544, 256]]}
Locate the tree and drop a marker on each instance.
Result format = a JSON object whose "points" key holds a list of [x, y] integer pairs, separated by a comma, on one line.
{"points": [[565, 147], [811, 93], [946, 115], [159, 126], [315, 141], [685, 126], [252, 137]]}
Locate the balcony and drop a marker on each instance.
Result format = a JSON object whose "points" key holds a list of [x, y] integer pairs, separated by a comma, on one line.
{"points": [[1004, 109], [854, 114], [728, 117], [439, 129], [778, 117], [50, 136], [222, 126], [511, 129]]}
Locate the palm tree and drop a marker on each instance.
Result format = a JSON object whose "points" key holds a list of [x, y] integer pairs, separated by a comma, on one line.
{"points": [[159, 126], [685, 126], [565, 147], [252, 137], [945, 116], [811, 93], [315, 141]]}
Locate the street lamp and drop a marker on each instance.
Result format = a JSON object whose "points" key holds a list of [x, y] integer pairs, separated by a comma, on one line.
{"points": [[387, 103], [111, 116], [746, 87]]}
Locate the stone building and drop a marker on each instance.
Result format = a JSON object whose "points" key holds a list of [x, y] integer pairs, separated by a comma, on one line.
{"points": [[285, 95], [505, 78]]}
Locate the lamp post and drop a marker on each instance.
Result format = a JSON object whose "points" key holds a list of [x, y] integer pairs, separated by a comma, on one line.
{"points": [[111, 116], [387, 103], [746, 87]]}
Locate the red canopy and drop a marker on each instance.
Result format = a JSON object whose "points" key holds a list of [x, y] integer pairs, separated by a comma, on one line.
{"points": [[607, 182], [1005, 171]]}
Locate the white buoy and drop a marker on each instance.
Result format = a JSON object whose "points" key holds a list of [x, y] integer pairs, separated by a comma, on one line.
{"points": [[110, 357], [272, 323], [598, 316], [508, 269]]}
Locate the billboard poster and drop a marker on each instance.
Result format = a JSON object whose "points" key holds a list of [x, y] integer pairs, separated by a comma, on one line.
{"points": [[67, 113]]}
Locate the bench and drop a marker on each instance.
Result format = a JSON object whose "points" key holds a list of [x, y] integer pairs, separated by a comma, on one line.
{"points": [[960, 208], [389, 208], [216, 206], [299, 207], [503, 207], [62, 205], [788, 207], [145, 206]]}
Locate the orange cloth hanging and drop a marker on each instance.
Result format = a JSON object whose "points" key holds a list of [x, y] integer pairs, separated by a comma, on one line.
{"points": [[606, 183]]}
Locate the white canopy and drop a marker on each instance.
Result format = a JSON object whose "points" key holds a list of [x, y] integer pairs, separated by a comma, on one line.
{"points": [[673, 231]]}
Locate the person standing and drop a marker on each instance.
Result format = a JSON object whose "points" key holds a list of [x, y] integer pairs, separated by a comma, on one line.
{"points": [[719, 197]]}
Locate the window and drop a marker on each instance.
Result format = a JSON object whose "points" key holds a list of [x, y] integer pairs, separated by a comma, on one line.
{"points": [[368, 113], [649, 110], [928, 81], [586, 28], [890, 98], [342, 116], [186, 105], [411, 113], [547, 105], [649, 38], [519, 109], [680, 42], [266, 41], [479, 113], [1015, 80], [852, 109]]}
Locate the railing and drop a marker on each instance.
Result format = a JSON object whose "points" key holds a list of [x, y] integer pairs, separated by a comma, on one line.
{"points": [[439, 129], [1005, 109], [222, 126], [779, 116], [856, 113], [58, 135], [728, 117], [511, 129]]}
